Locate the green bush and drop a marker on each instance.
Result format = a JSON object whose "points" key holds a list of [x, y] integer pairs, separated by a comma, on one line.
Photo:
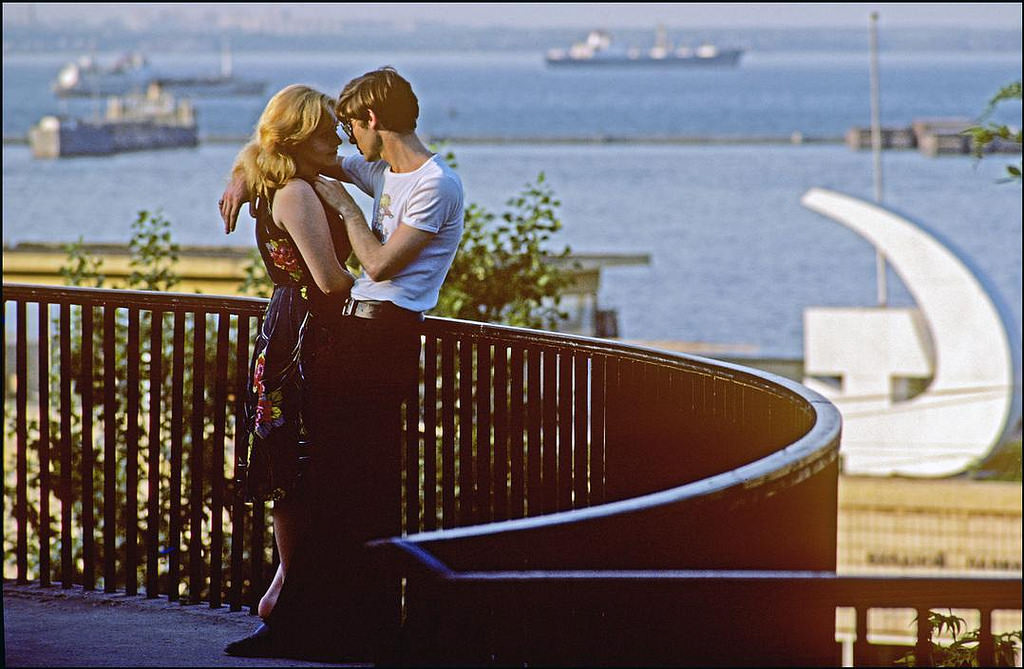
{"points": [[963, 650]]}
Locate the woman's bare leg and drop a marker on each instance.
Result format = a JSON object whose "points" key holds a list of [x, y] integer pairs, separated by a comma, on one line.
{"points": [[287, 525]]}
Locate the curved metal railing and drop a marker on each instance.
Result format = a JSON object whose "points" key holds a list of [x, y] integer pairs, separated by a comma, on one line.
{"points": [[525, 450], [566, 500]]}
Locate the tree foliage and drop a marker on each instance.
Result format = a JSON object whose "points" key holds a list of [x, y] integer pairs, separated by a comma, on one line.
{"points": [[80, 268], [963, 649], [986, 134], [502, 271], [153, 253]]}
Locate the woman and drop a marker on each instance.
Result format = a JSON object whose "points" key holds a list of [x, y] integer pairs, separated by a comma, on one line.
{"points": [[304, 248]]}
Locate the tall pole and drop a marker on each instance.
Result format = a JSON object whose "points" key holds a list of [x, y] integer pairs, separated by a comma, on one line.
{"points": [[876, 149]]}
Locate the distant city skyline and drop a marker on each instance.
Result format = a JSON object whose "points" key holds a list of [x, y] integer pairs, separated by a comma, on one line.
{"points": [[539, 15]]}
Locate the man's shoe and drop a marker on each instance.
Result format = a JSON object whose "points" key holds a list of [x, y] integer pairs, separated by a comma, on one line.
{"points": [[258, 644]]}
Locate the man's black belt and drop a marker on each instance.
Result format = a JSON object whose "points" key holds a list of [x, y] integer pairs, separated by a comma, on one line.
{"points": [[377, 309]]}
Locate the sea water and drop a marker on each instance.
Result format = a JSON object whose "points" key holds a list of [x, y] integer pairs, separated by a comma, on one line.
{"points": [[734, 257]]}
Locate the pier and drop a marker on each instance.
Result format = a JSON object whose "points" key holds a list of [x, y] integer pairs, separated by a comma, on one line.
{"points": [[931, 136]]}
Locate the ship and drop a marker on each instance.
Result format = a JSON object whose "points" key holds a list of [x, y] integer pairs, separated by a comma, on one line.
{"points": [[598, 49], [132, 73], [133, 122]]}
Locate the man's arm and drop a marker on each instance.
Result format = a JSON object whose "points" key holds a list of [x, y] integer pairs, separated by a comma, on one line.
{"points": [[236, 192], [381, 261], [342, 247]]}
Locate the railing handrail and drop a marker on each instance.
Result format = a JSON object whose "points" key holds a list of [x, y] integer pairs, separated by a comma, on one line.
{"points": [[178, 301], [120, 297], [860, 590]]}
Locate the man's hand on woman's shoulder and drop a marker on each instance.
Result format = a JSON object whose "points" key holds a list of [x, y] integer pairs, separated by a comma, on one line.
{"points": [[230, 203], [335, 195]]}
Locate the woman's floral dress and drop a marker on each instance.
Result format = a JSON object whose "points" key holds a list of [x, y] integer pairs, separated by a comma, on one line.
{"points": [[278, 446]]}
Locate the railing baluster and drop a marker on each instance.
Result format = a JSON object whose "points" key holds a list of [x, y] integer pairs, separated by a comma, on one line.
{"points": [[21, 430], [580, 474], [196, 460], [598, 430], [923, 647], [534, 494], [109, 450], [45, 485], [467, 512], [861, 647], [448, 483], [412, 462], [500, 381], [565, 424], [220, 401], [517, 423], [131, 537], [484, 508], [241, 445], [173, 547], [986, 644], [66, 409], [549, 447], [156, 356], [430, 510], [618, 413], [86, 385]]}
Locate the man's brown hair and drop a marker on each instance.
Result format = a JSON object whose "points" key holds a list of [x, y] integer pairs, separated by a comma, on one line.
{"points": [[387, 94]]}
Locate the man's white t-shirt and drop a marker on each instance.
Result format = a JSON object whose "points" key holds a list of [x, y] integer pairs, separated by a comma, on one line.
{"points": [[430, 199]]}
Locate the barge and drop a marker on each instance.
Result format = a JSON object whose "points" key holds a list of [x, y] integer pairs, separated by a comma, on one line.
{"points": [[133, 122]]}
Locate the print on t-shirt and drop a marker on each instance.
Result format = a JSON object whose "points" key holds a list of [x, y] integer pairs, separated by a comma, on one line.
{"points": [[383, 211]]}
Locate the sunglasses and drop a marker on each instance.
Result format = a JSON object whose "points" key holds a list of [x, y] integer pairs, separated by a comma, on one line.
{"points": [[346, 125]]}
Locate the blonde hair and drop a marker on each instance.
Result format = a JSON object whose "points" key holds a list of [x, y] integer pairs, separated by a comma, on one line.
{"points": [[290, 117]]}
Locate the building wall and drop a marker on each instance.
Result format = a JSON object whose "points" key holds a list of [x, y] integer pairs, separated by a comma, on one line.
{"points": [[913, 526]]}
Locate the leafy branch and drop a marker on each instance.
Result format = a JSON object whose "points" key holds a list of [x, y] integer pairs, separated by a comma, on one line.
{"points": [[963, 650], [987, 136]]}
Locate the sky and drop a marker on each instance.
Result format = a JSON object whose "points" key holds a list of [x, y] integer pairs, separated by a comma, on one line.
{"points": [[590, 15]]}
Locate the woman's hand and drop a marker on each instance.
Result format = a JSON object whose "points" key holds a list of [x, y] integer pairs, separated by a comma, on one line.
{"points": [[230, 202], [334, 195]]}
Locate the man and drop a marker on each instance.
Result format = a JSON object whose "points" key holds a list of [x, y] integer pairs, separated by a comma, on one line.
{"points": [[332, 604]]}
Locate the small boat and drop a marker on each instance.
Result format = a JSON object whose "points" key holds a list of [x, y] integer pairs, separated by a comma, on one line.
{"points": [[133, 122], [132, 72], [598, 49]]}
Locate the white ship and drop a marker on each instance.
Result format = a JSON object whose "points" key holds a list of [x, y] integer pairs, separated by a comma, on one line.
{"points": [[598, 49], [132, 73]]}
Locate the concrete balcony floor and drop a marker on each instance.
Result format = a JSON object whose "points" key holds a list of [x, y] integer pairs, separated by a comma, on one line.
{"points": [[53, 627]]}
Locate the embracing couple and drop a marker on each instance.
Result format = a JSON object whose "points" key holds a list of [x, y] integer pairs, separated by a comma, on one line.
{"points": [[337, 352]]}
